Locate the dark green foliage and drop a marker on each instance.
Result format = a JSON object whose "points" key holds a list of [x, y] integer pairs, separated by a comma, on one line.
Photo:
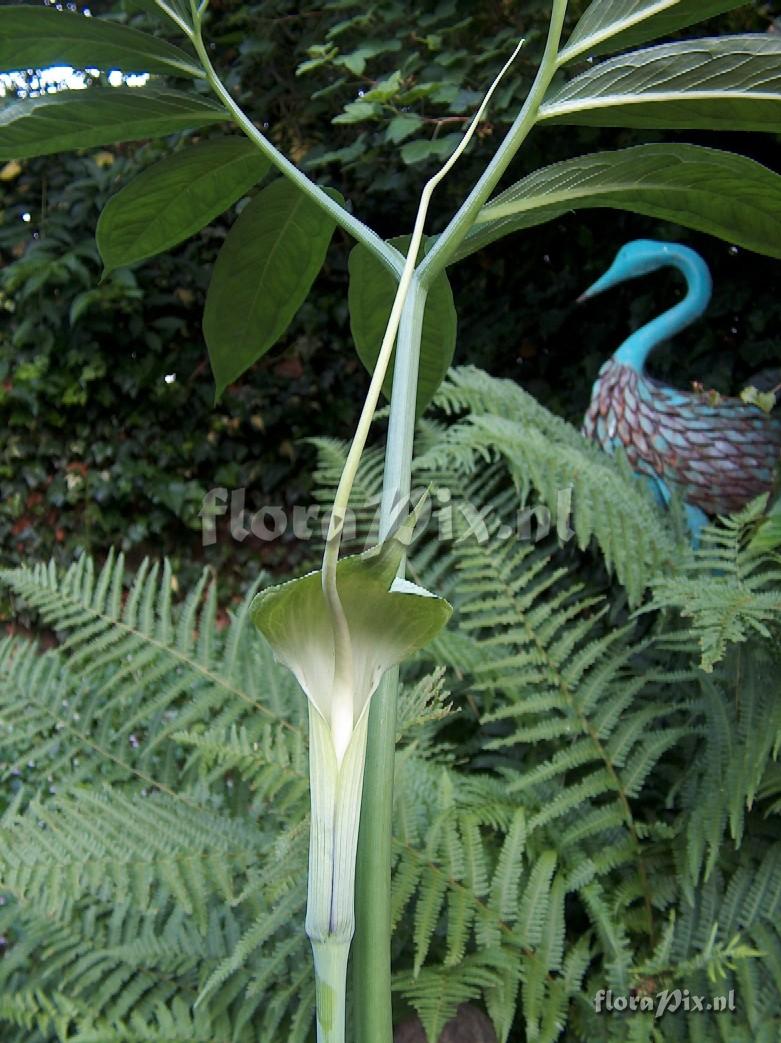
{"points": [[627, 91], [52, 123], [97, 446], [98, 449], [175, 198], [713, 191], [37, 37]]}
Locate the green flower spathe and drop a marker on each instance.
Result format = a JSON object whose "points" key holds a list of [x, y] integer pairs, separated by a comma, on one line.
{"points": [[388, 618]]}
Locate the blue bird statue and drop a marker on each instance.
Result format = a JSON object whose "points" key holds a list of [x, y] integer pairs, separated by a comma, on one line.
{"points": [[719, 453]]}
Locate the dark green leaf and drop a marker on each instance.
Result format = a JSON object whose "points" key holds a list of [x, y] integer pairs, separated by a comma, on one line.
{"points": [[612, 25], [39, 37], [715, 192], [730, 83], [357, 112], [175, 198], [371, 293], [429, 148], [400, 127], [85, 118], [263, 274]]}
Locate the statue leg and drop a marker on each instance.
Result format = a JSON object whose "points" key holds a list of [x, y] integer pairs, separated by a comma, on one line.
{"points": [[659, 489], [697, 519]]}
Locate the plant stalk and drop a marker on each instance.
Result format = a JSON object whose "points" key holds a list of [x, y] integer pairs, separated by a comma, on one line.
{"points": [[331, 988], [372, 944], [397, 478], [371, 969]]}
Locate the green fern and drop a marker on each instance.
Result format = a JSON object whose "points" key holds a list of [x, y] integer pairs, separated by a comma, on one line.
{"points": [[547, 455], [107, 846], [730, 590], [129, 675]]}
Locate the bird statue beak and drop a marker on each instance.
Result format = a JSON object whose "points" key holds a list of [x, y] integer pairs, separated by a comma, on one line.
{"points": [[611, 278]]}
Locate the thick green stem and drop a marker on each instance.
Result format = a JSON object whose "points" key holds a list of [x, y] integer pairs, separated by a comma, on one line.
{"points": [[397, 478], [371, 947], [372, 1011], [330, 989]]}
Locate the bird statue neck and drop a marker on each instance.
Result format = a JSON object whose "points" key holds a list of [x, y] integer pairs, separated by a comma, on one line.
{"points": [[635, 350]]}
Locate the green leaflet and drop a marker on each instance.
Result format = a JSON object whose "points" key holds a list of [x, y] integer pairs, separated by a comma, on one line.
{"points": [[86, 118], [371, 292], [262, 276], [730, 592], [768, 535], [612, 25], [729, 83], [716, 192], [175, 198], [39, 37]]}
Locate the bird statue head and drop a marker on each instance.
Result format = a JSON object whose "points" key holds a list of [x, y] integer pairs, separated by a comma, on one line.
{"points": [[641, 257]]}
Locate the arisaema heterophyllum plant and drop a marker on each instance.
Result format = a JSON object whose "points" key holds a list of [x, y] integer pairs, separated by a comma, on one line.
{"points": [[343, 630], [340, 630]]}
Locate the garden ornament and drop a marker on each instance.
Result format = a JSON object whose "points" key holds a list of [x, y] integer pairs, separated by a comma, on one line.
{"points": [[718, 453]]}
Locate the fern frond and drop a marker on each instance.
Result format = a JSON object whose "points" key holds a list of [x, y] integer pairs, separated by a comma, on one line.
{"points": [[546, 454], [135, 674], [124, 848], [436, 995], [422, 705], [741, 734], [270, 759], [731, 590]]}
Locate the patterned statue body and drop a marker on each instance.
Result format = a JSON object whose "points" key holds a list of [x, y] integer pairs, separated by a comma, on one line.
{"points": [[718, 452]]}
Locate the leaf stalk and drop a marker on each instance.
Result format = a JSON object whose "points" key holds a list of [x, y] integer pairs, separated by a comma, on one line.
{"points": [[352, 225]]}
